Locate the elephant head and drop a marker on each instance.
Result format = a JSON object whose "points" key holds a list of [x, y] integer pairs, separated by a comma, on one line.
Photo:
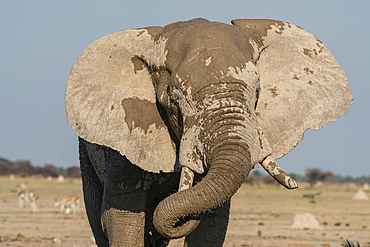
{"points": [[214, 98]]}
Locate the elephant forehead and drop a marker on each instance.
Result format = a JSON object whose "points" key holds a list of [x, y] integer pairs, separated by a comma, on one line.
{"points": [[143, 118], [202, 78], [208, 43]]}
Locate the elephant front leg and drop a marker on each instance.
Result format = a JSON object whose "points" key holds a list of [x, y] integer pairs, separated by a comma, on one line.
{"points": [[124, 228], [124, 202], [212, 228]]}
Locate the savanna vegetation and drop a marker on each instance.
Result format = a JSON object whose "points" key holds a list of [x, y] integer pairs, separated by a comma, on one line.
{"points": [[25, 168]]}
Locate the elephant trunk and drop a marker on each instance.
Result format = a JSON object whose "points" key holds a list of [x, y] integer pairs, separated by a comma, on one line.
{"points": [[229, 167], [223, 135]]}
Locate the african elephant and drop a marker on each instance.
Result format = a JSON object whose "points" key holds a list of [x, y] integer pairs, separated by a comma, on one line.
{"points": [[155, 106]]}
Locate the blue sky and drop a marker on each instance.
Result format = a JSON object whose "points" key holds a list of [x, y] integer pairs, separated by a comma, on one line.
{"points": [[41, 40]]}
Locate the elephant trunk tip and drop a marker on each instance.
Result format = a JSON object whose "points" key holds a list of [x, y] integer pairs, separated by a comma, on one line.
{"points": [[171, 226]]}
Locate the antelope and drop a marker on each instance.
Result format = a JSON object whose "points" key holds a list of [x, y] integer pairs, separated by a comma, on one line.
{"points": [[34, 201], [23, 196], [68, 203]]}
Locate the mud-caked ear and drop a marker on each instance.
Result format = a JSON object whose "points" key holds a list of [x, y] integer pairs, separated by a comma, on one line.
{"points": [[110, 98], [302, 85]]}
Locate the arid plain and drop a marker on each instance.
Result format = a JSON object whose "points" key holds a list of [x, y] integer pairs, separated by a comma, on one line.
{"points": [[260, 216]]}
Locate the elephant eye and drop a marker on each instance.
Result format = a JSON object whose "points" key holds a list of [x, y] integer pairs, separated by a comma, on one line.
{"points": [[168, 89]]}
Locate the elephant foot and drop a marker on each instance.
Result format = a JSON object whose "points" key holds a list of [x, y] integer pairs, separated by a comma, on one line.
{"points": [[124, 228]]}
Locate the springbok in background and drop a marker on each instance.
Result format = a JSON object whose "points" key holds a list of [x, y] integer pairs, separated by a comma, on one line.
{"points": [[68, 203], [23, 196], [34, 199]]}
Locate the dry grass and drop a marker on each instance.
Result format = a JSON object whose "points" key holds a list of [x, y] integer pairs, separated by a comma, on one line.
{"points": [[260, 216], [263, 217]]}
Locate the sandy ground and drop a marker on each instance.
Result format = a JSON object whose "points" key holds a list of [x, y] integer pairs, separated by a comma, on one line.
{"points": [[260, 216]]}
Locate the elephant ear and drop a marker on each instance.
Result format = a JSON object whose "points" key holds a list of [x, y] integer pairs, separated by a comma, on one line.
{"points": [[110, 98], [302, 85]]}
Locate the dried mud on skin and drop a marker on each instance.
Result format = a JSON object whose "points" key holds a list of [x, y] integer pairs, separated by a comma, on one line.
{"points": [[260, 217]]}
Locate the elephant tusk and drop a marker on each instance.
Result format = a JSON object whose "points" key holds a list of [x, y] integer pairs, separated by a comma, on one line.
{"points": [[278, 174], [186, 178]]}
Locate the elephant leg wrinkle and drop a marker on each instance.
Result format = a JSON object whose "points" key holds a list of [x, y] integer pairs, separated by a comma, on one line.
{"points": [[117, 223]]}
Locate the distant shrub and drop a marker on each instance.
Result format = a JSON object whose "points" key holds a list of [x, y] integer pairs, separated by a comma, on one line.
{"points": [[24, 168]]}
